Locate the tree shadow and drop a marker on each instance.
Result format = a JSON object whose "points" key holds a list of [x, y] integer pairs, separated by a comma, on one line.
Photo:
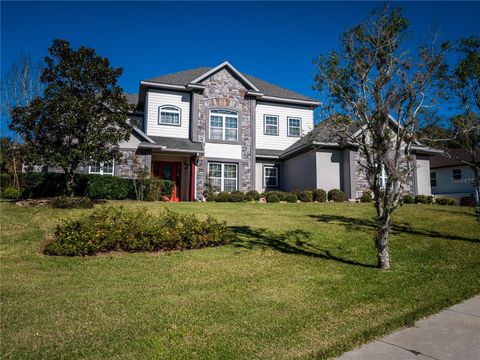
{"points": [[295, 242], [355, 224], [455, 211]]}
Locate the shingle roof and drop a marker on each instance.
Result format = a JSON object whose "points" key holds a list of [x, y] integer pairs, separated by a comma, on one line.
{"points": [[177, 144], [185, 77], [268, 152], [451, 157]]}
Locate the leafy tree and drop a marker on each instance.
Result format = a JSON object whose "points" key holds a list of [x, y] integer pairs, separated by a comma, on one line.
{"points": [[82, 115], [370, 79]]}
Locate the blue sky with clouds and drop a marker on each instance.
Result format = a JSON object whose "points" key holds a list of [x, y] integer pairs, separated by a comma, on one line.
{"points": [[275, 41]]}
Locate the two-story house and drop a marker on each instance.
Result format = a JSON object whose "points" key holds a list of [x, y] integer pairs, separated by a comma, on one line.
{"points": [[236, 132]]}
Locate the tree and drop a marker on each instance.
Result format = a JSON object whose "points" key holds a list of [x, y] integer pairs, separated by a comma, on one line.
{"points": [[370, 79], [81, 117]]}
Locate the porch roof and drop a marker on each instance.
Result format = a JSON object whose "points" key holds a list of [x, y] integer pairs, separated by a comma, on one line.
{"points": [[169, 144]]}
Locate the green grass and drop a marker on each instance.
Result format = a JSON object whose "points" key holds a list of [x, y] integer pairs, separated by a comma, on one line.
{"points": [[298, 282]]}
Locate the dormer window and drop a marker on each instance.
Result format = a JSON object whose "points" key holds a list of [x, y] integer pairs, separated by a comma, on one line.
{"points": [[223, 125], [169, 115]]}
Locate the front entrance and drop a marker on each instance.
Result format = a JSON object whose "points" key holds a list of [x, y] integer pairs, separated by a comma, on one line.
{"points": [[170, 170]]}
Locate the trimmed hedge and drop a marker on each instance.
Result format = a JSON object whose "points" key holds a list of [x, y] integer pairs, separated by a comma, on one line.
{"points": [[319, 195], [110, 228], [305, 196], [467, 201], [366, 197], [10, 192], [252, 195], [408, 199], [423, 199], [336, 195], [71, 202], [291, 198], [445, 201], [272, 198]]}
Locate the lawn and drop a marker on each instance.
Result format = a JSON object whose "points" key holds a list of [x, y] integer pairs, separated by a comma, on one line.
{"points": [[298, 282]]}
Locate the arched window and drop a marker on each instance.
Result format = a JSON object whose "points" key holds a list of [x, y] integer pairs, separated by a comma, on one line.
{"points": [[223, 125], [169, 115]]}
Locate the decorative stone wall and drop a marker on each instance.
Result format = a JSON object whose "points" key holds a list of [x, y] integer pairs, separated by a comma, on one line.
{"points": [[224, 91], [361, 180], [125, 167]]}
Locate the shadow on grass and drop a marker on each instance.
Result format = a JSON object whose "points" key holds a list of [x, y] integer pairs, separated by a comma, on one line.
{"points": [[355, 224], [296, 242]]}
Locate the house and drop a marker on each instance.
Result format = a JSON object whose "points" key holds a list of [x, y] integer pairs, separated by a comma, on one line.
{"points": [[451, 176], [221, 127]]}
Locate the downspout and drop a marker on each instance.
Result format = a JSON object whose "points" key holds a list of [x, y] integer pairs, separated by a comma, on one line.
{"points": [[192, 177]]}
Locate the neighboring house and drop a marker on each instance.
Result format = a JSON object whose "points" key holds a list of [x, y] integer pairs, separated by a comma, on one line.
{"points": [[237, 132], [450, 176]]}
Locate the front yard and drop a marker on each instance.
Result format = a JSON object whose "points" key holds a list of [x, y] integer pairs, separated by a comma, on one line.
{"points": [[305, 288]]}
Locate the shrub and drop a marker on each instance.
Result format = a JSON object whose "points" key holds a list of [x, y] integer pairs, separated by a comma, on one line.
{"points": [[5, 180], [107, 187], [336, 195], [291, 198], [236, 196], [36, 185], [252, 195], [445, 201], [272, 198], [71, 202], [11, 192], [467, 201], [211, 197], [319, 195], [109, 229], [366, 197], [222, 197], [408, 199], [306, 196], [423, 199]]}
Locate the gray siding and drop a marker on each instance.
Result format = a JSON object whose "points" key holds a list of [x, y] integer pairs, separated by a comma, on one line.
{"points": [[329, 169], [300, 172], [422, 175]]}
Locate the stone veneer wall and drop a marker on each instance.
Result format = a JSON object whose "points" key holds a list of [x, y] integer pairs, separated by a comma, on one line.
{"points": [[223, 90], [124, 167], [361, 181]]}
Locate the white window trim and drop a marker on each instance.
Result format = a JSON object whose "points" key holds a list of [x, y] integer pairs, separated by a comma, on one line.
{"points": [[222, 178], [288, 126], [265, 176], [383, 177], [101, 169], [223, 116], [433, 176], [175, 109], [265, 125], [453, 174]]}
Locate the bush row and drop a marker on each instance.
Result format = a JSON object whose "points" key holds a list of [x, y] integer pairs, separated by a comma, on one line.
{"points": [[110, 228], [277, 196], [94, 186]]}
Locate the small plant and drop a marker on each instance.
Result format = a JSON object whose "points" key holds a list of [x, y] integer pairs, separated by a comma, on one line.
{"points": [[336, 195], [445, 201], [467, 201], [291, 198], [71, 202], [423, 199], [222, 197], [366, 197], [408, 199], [11, 193], [305, 196], [319, 195], [272, 198], [252, 195], [236, 196]]}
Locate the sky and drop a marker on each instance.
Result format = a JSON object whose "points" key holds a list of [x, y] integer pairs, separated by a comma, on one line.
{"points": [[275, 41]]}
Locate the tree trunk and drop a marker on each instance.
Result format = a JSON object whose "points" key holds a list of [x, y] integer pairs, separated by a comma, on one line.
{"points": [[381, 237], [70, 182]]}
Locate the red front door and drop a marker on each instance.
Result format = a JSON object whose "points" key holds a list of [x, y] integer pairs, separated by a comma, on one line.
{"points": [[169, 170]]}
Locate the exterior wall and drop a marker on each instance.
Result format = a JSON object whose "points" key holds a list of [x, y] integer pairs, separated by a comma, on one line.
{"points": [[224, 91], [299, 172], [157, 98], [446, 186], [422, 175], [329, 165], [259, 175], [282, 140]]}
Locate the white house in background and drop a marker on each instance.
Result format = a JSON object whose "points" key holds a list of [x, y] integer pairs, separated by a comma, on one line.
{"points": [[450, 176], [237, 132]]}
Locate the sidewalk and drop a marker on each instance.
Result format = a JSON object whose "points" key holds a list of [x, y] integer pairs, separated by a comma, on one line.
{"points": [[451, 334]]}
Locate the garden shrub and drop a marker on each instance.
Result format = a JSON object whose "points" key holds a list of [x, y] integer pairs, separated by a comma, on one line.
{"points": [[5, 180], [71, 202], [423, 199], [107, 187], [236, 196], [336, 195], [445, 201], [305, 196], [272, 198], [37, 185], [11, 193], [467, 201], [252, 195], [408, 199], [111, 228], [222, 197], [366, 197], [319, 195], [291, 198]]}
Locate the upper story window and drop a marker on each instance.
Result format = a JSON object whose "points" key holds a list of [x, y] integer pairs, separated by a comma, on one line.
{"points": [[169, 115], [433, 179], [223, 125], [270, 125], [101, 168], [270, 176], [223, 176], [294, 126], [457, 174]]}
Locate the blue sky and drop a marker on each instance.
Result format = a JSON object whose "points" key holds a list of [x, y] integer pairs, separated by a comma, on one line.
{"points": [[275, 41]]}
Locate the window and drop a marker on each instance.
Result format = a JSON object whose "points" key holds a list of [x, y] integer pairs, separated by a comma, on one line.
{"points": [[433, 179], [223, 176], [270, 176], [294, 127], [457, 174], [383, 177], [169, 115], [270, 125], [102, 168], [223, 125]]}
